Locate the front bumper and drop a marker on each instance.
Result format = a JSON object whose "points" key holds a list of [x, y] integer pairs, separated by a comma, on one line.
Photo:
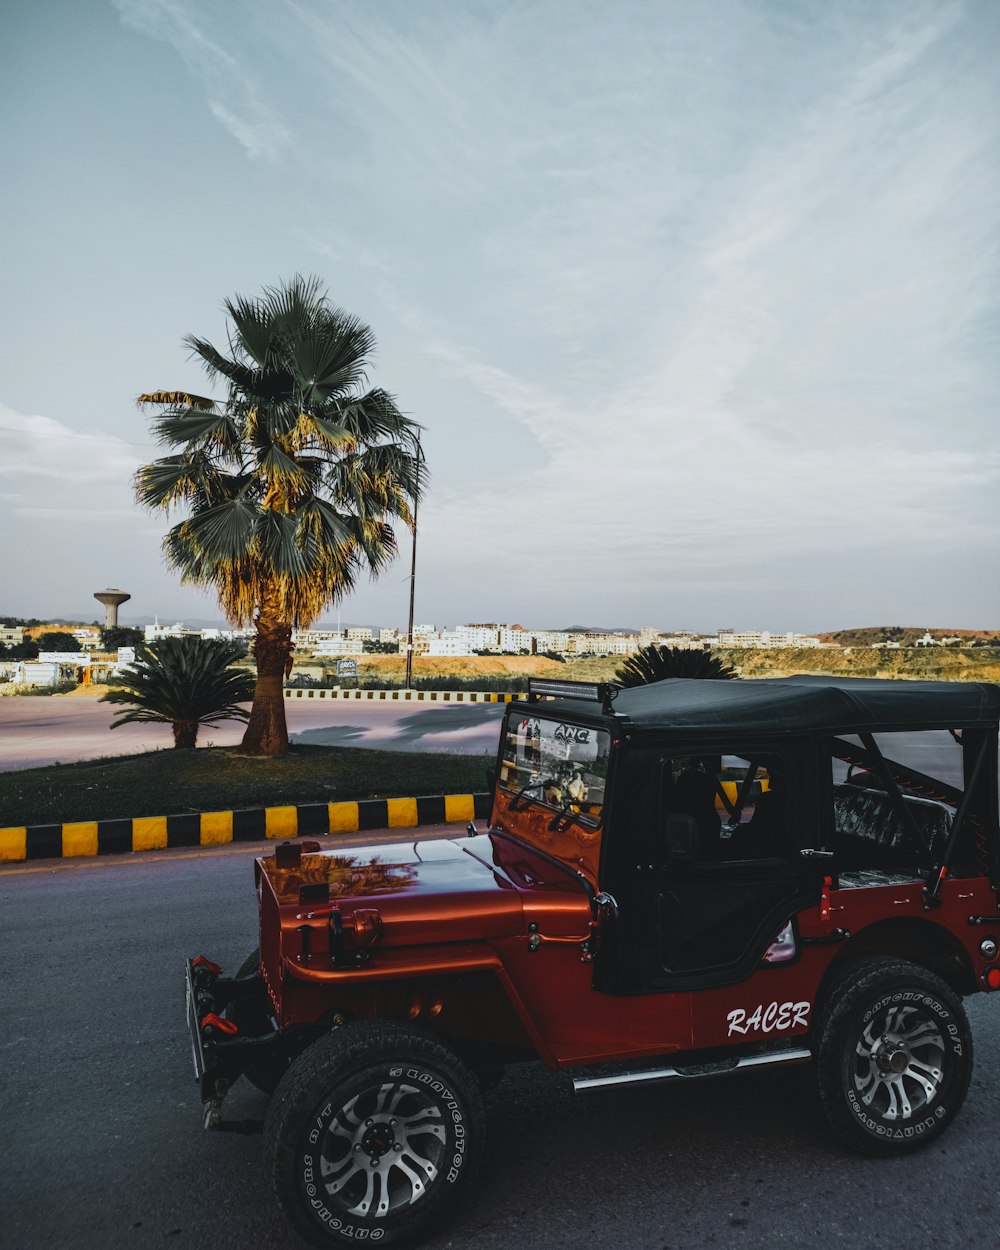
{"points": [[219, 1051]]}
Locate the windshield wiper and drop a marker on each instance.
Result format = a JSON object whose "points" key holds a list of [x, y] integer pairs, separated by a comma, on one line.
{"points": [[562, 820], [514, 804]]}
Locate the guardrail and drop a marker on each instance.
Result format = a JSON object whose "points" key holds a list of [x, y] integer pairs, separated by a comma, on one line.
{"points": [[415, 696]]}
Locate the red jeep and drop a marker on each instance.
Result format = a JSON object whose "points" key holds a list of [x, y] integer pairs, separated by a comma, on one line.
{"points": [[677, 880]]}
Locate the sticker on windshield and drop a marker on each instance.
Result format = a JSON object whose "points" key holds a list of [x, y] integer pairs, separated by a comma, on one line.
{"points": [[555, 763]]}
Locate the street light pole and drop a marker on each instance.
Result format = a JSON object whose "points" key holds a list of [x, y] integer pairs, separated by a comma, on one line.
{"points": [[413, 578]]}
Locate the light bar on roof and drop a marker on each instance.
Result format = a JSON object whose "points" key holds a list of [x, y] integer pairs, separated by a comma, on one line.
{"points": [[592, 691]]}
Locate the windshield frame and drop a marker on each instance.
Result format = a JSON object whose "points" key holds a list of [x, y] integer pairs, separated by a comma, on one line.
{"points": [[519, 796]]}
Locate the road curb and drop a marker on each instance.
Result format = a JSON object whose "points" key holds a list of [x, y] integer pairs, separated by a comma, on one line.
{"points": [[406, 696], [155, 833]]}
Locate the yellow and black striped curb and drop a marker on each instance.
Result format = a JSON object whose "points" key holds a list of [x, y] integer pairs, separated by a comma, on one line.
{"points": [[155, 833], [415, 696]]}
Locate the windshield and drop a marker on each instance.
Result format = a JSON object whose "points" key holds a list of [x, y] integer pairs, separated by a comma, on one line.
{"points": [[557, 764]]}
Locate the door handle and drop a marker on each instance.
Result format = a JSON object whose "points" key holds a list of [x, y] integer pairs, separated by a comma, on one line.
{"points": [[809, 853]]}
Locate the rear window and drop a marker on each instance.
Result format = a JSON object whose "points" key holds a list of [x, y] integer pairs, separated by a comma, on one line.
{"points": [[873, 830]]}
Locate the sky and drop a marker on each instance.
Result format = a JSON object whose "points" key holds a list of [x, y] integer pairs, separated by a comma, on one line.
{"points": [[697, 303]]}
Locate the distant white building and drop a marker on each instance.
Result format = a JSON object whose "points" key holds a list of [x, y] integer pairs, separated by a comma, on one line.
{"points": [[313, 637], [684, 642], [37, 673], [339, 644], [78, 659], [177, 630], [551, 640], [752, 638], [448, 642], [228, 635], [515, 638], [602, 644], [483, 637]]}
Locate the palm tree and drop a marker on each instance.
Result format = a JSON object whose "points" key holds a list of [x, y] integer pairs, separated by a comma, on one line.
{"points": [[653, 663], [290, 484], [185, 682]]}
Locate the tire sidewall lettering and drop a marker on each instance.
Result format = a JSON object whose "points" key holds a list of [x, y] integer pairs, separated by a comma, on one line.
{"points": [[308, 1161], [919, 998], [951, 1035]]}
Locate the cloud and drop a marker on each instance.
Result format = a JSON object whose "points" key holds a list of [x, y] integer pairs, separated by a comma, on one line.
{"points": [[33, 446], [234, 99], [610, 506], [725, 275]]}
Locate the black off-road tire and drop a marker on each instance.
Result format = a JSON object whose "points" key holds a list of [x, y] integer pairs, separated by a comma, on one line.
{"points": [[893, 1056], [252, 1015], [373, 1134]]}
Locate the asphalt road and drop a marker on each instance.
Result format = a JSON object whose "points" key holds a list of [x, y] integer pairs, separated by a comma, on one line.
{"points": [[35, 731], [102, 1145]]}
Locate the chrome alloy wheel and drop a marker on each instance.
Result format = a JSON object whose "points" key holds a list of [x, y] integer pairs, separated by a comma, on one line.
{"points": [[382, 1150], [900, 1062]]}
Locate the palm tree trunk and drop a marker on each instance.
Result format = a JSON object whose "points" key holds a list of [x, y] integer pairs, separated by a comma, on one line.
{"points": [[185, 734], [267, 733]]}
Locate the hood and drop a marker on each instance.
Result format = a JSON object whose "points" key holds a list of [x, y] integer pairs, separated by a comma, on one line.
{"points": [[424, 892]]}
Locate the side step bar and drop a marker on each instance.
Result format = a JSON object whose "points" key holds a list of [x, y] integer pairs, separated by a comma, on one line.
{"points": [[653, 1076]]}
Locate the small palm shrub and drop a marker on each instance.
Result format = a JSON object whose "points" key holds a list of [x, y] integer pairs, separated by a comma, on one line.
{"points": [[185, 682], [654, 663]]}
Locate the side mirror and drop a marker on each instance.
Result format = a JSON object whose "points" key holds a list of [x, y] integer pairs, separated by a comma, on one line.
{"points": [[682, 838]]}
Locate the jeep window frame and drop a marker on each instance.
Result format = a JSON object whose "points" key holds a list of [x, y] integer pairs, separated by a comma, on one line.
{"points": [[975, 801], [626, 969], [596, 725]]}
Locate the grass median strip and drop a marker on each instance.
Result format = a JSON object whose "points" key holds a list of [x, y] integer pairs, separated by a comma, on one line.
{"points": [[109, 806], [215, 780]]}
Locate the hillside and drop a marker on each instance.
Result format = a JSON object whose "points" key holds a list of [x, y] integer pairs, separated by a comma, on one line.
{"points": [[905, 635], [923, 663]]}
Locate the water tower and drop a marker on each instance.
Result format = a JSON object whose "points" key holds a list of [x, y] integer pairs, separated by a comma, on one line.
{"points": [[111, 599]]}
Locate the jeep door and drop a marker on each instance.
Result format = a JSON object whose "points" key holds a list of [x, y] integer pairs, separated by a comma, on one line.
{"points": [[717, 870]]}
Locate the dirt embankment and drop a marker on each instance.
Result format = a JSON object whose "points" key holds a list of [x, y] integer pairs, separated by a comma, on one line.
{"points": [[393, 667], [913, 663]]}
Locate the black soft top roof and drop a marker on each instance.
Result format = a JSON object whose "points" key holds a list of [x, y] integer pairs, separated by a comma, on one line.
{"points": [[795, 705]]}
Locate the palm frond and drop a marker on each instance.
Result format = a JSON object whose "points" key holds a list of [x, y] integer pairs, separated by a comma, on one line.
{"points": [[375, 416], [656, 663], [224, 531], [276, 536], [180, 426], [176, 399], [281, 469], [254, 329], [185, 477], [322, 522], [218, 366], [332, 436], [329, 357]]}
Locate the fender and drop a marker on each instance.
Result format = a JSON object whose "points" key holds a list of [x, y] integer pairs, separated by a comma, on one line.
{"points": [[415, 965]]}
